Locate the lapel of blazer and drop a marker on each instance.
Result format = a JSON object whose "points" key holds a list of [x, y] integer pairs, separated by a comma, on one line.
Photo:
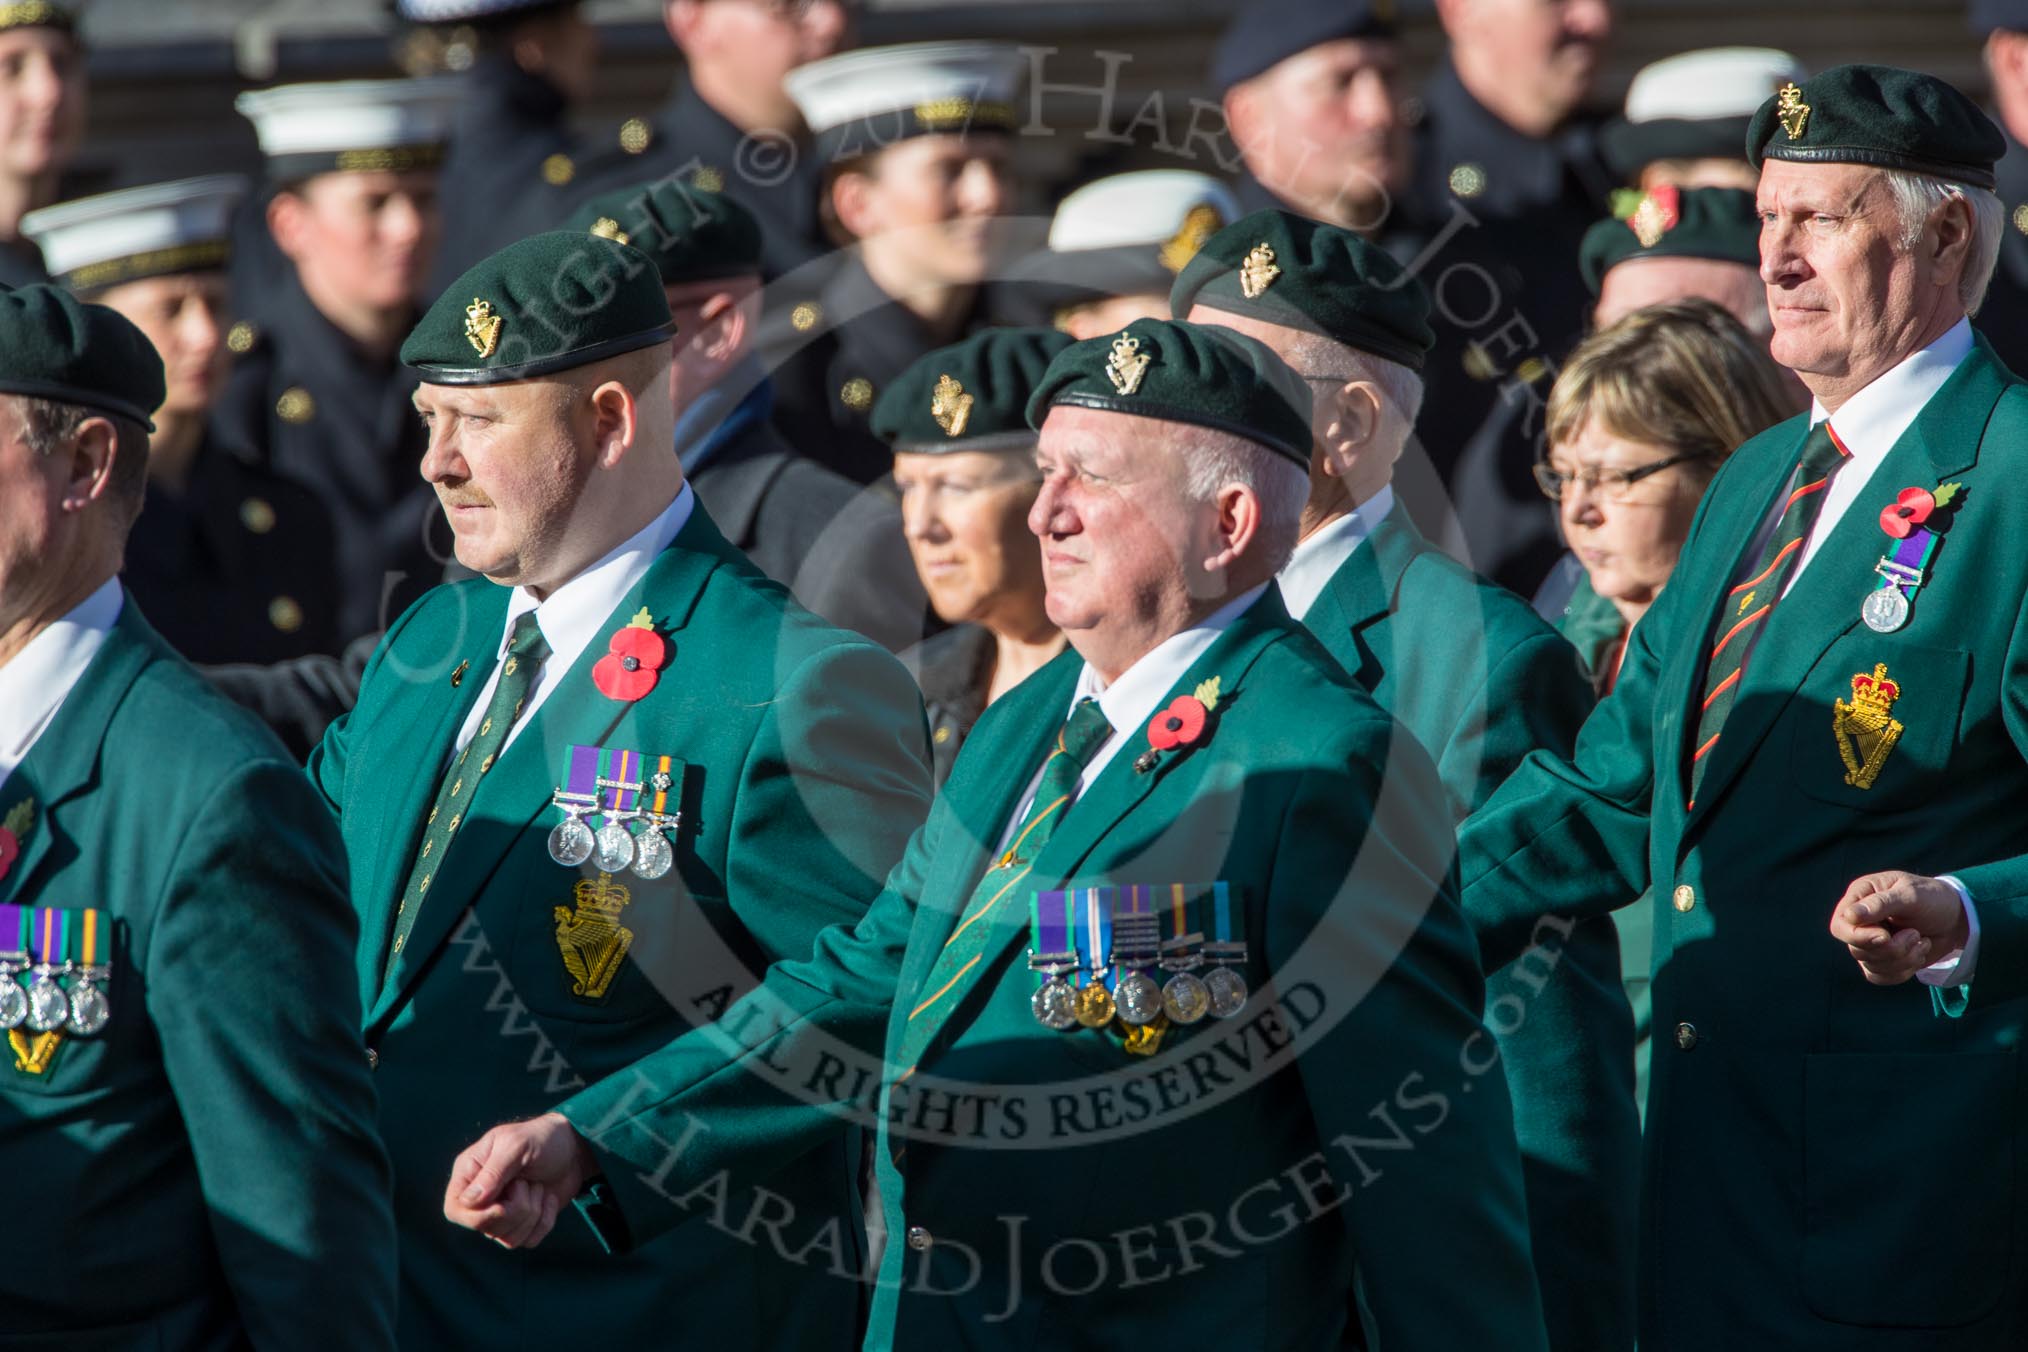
{"points": [[1119, 788], [517, 790], [1824, 604], [66, 759]]}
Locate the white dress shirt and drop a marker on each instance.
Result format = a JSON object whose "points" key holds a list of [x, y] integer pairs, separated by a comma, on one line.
{"points": [[1131, 701], [573, 615], [1310, 568], [34, 685]]}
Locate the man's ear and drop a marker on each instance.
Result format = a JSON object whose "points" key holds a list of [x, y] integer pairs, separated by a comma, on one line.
{"points": [[287, 219], [680, 18], [615, 422], [90, 473], [1353, 416], [722, 328], [852, 199], [1956, 224], [1238, 526]]}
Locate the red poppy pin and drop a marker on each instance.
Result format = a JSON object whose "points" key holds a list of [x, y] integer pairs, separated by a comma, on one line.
{"points": [[1180, 725], [633, 660], [12, 830], [1913, 507]]}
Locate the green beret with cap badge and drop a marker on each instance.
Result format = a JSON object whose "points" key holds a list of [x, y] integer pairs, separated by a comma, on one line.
{"points": [[55, 346], [693, 235], [546, 303], [1289, 270], [1189, 373], [1879, 116], [970, 396], [1670, 222]]}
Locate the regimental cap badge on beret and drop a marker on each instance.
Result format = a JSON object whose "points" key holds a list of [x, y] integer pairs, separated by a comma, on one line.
{"points": [[1655, 215], [950, 406], [605, 227], [1791, 111], [1200, 223], [1127, 364], [482, 327], [1258, 272]]}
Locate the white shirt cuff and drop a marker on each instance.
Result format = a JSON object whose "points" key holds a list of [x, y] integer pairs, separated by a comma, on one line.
{"points": [[1955, 968]]}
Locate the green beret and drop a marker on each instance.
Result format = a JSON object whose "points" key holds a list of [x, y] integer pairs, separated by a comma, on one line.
{"points": [[1190, 373], [55, 346], [970, 396], [1671, 222], [1879, 116], [692, 235], [1281, 268], [546, 303]]}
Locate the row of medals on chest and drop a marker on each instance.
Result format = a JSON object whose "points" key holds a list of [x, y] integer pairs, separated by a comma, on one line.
{"points": [[614, 846], [1136, 998], [43, 1005]]}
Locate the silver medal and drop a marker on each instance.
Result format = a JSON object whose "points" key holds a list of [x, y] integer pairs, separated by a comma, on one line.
{"points": [[570, 844], [1138, 998], [89, 1008], [613, 849], [1185, 999], [652, 855], [48, 1007], [13, 1003], [1227, 989], [1055, 1004], [1885, 610]]}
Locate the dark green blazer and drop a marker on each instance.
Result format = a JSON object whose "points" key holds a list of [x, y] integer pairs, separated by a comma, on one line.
{"points": [[1481, 680], [1323, 1156], [802, 771], [204, 1173], [1776, 1067]]}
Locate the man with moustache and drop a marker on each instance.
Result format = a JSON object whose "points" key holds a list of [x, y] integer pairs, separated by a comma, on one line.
{"points": [[1480, 681], [1818, 721], [1198, 780], [587, 796]]}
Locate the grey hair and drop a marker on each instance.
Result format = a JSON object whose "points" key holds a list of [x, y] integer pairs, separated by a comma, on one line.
{"points": [[1916, 198], [1316, 357], [1214, 459]]}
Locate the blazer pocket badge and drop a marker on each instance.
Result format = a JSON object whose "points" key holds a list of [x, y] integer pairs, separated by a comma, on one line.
{"points": [[591, 937], [1866, 728]]}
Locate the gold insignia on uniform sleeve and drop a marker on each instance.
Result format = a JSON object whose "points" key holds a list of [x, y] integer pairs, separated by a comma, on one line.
{"points": [[857, 394], [1791, 111], [1866, 728], [708, 179], [591, 937], [558, 170], [1200, 223], [482, 327], [296, 405], [285, 615], [605, 227], [257, 515], [1127, 364], [805, 316], [1468, 180], [1258, 272], [635, 135], [239, 340], [950, 406]]}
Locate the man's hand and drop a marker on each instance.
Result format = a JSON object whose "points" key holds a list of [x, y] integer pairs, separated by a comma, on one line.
{"points": [[511, 1184], [1895, 924]]}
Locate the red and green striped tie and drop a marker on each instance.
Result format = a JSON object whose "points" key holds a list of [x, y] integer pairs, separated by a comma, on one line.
{"points": [[1748, 605], [1084, 732]]}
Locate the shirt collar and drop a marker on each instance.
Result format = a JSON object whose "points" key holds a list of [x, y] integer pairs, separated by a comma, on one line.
{"points": [[34, 685], [1318, 558], [1132, 700], [570, 616], [1872, 420]]}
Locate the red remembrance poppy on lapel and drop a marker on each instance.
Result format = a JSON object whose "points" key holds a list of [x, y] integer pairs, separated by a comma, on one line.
{"points": [[1181, 724], [1908, 510], [633, 662]]}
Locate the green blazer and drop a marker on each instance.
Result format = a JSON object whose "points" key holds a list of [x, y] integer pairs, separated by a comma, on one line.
{"points": [[203, 1173], [1323, 1156], [800, 770], [1481, 681], [1776, 1066]]}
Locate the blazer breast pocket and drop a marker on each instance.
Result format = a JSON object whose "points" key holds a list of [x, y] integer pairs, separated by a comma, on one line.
{"points": [[1875, 724]]}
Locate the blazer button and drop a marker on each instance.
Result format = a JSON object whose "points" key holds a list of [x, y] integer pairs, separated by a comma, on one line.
{"points": [[1686, 897], [919, 1238], [372, 1059], [1686, 1036]]}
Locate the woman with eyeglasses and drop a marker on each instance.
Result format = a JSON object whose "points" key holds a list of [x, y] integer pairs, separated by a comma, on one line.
{"points": [[1641, 416]]}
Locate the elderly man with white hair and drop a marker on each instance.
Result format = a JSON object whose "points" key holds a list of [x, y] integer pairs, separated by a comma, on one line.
{"points": [[1821, 718]]}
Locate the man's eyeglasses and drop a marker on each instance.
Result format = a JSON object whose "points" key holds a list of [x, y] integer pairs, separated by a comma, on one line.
{"points": [[1610, 484]]}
